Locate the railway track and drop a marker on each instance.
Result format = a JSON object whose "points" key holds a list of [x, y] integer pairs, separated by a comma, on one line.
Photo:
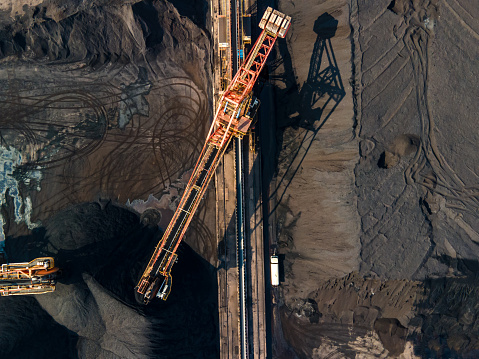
{"points": [[242, 309], [239, 174]]}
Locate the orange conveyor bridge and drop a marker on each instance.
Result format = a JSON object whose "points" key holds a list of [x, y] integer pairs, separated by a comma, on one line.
{"points": [[232, 118]]}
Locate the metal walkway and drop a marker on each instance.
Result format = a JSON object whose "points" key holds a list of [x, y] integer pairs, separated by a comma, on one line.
{"points": [[231, 120]]}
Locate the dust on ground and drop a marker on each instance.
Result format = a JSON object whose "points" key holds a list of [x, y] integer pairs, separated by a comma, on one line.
{"points": [[395, 204], [109, 104]]}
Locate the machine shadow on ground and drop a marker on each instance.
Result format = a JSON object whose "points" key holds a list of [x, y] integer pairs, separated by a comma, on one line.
{"points": [[307, 110], [308, 107]]}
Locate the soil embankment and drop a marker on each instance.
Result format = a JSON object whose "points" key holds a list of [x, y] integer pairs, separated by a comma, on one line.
{"points": [[106, 104], [102, 250], [316, 219], [401, 203]]}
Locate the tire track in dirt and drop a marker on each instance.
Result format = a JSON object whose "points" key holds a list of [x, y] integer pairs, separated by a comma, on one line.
{"points": [[74, 169], [380, 222], [460, 19], [446, 177], [128, 154], [429, 169], [174, 156], [22, 121], [391, 79]]}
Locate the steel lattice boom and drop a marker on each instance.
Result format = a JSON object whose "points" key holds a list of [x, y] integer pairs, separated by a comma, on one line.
{"points": [[232, 118]]}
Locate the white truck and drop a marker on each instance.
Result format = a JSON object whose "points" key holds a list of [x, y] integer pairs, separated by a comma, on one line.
{"points": [[274, 271]]}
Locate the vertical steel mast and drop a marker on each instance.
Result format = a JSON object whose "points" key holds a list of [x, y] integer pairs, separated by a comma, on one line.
{"points": [[231, 119]]}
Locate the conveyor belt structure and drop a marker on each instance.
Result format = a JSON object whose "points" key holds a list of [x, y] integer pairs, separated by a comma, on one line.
{"points": [[233, 118]]}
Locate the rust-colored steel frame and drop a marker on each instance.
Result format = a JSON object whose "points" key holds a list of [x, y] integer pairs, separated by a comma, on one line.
{"points": [[26, 270], [32, 288], [194, 206], [245, 78], [233, 103], [212, 141]]}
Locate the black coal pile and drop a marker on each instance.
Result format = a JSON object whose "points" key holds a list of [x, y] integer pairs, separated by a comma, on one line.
{"points": [[102, 250], [152, 60]]}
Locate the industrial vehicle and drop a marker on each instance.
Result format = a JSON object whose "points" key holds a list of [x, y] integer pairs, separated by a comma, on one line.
{"points": [[274, 270], [35, 277], [231, 120]]}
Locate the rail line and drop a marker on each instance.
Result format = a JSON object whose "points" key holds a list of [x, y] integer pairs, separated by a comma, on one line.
{"points": [[240, 221], [232, 119]]}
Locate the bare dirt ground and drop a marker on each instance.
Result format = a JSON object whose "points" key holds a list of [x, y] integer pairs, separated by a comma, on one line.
{"points": [[108, 107], [395, 203], [375, 193], [115, 118], [318, 150]]}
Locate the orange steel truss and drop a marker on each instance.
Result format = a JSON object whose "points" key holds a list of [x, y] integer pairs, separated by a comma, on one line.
{"points": [[230, 120]]}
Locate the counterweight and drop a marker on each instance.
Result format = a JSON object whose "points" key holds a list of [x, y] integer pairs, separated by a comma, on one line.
{"points": [[232, 118]]}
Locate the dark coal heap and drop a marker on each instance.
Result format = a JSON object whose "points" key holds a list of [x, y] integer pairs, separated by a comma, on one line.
{"points": [[102, 250]]}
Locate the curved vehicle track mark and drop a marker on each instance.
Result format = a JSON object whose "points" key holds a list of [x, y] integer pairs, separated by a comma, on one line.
{"points": [[21, 121], [447, 183], [135, 148], [391, 79], [392, 111], [364, 28], [429, 168]]}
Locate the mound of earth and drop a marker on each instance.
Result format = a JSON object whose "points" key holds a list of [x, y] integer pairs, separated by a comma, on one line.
{"points": [[109, 100], [102, 252], [377, 209]]}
